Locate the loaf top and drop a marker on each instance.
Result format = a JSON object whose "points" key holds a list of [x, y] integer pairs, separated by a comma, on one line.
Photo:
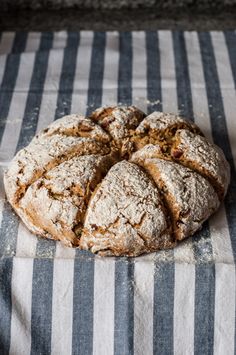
{"points": [[117, 182]]}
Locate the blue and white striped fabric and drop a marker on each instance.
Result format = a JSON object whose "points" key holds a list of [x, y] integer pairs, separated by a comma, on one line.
{"points": [[55, 300]]}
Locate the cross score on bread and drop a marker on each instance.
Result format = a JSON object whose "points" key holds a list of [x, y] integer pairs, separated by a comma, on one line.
{"points": [[117, 182]]}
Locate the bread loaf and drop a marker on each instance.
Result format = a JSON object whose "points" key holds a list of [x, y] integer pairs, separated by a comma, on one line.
{"points": [[117, 182]]}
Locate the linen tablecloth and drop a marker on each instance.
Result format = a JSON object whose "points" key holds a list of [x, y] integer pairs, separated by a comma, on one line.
{"points": [[56, 300]]}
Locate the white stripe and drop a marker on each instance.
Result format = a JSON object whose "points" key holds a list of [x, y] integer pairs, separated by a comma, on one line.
{"points": [[2, 67], [198, 88], [221, 244], [62, 306], [79, 101], [104, 272], [168, 79], [26, 242], [184, 252], [103, 314], [21, 306], [184, 309], [64, 252], [224, 309], [33, 42], [5, 47], [2, 194], [144, 267], [227, 86], [52, 81], [59, 39], [51, 85], [139, 75], [222, 61], [6, 42], [111, 62], [143, 307], [17, 107]]}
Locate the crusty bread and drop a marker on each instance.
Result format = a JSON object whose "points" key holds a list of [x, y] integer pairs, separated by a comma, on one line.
{"points": [[190, 198], [126, 215], [117, 183], [202, 156]]}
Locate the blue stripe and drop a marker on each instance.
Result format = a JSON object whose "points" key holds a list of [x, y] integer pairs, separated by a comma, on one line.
{"points": [[9, 78], [83, 299], [124, 307], [184, 95], [125, 69], [153, 72], [67, 75], [96, 72], [82, 337], [5, 304], [163, 308], [124, 268], [8, 231], [9, 225], [30, 119], [41, 317], [163, 299], [202, 245], [230, 200], [219, 127], [204, 309], [42, 268]]}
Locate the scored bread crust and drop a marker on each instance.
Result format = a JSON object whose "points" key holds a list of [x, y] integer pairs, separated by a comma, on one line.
{"points": [[63, 194], [204, 157], [120, 122], [48, 149], [126, 215], [190, 198], [159, 128], [117, 183]]}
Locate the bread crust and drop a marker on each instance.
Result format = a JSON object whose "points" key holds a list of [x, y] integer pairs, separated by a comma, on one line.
{"points": [[62, 195], [190, 198], [117, 183], [126, 215], [203, 157], [160, 128]]}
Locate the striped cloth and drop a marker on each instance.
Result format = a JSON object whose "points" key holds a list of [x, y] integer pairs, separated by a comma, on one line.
{"points": [[56, 300]]}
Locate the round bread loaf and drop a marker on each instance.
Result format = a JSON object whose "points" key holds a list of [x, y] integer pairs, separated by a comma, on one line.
{"points": [[117, 182]]}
